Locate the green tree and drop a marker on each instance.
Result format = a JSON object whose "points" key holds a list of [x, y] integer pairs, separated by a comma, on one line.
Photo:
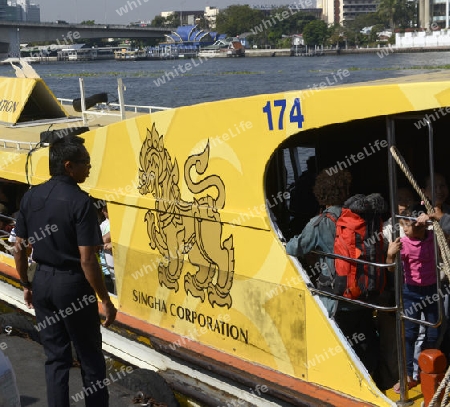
{"points": [[364, 20], [280, 24], [236, 19], [315, 33], [173, 20], [337, 34], [295, 22], [386, 10], [405, 13], [353, 29], [88, 22], [376, 29], [158, 21], [302, 20]]}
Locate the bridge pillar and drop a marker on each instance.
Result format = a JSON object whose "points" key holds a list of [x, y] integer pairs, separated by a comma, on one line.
{"points": [[14, 42]]}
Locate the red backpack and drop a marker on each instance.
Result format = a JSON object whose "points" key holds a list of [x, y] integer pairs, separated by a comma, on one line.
{"points": [[359, 235]]}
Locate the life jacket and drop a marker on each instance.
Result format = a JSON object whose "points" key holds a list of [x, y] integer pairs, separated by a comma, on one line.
{"points": [[359, 235]]}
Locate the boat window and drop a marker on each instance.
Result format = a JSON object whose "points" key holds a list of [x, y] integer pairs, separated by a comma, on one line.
{"points": [[360, 147], [289, 188]]}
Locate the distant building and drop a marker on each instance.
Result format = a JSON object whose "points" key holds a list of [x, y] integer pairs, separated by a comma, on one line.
{"points": [[296, 7], [19, 10], [342, 11], [432, 14], [211, 16], [192, 35], [33, 13], [187, 17], [192, 17]]}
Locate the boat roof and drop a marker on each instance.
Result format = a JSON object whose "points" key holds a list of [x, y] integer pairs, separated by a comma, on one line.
{"points": [[29, 108], [28, 99]]}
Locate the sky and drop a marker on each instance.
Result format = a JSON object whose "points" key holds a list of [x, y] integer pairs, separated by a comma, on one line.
{"points": [[126, 11]]}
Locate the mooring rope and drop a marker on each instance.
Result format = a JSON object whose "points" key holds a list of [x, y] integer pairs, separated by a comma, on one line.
{"points": [[445, 254]]}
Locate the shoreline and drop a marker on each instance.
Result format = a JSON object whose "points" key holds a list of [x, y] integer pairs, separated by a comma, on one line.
{"points": [[342, 51], [274, 52]]}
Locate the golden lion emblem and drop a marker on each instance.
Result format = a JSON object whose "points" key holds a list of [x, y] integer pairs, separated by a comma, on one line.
{"points": [[183, 230]]}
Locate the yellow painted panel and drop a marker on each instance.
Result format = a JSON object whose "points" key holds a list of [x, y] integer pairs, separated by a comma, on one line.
{"points": [[27, 99]]}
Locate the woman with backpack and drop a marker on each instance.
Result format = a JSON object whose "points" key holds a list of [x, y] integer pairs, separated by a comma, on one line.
{"points": [[332, 191]]}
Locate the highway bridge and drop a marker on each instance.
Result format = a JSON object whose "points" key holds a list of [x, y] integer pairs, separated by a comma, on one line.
{"points": [[13, 33]]}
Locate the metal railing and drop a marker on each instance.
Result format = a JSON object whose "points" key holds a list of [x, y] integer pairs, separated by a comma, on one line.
{"points": [[115, 106], [341, 297], [110, 109], [21, 146]]}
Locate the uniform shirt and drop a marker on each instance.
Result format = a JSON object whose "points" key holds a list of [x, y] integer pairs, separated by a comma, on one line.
{"points": [[56, 217], [418, 260]]}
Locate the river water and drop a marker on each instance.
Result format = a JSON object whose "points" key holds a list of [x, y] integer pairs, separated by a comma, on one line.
{"points": [[190, 81]]}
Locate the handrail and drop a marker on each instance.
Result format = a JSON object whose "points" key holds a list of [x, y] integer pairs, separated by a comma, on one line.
{"points": [[18, 145], [352, 260], [342, 298], [106, 106], [11, 219]]}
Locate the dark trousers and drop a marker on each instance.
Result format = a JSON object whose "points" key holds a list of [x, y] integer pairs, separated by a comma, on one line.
{"points": [[418, 300], [358, 326], [65, 314]]}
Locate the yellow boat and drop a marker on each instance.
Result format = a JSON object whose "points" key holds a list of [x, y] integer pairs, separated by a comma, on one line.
{"points": [[198, 204]]}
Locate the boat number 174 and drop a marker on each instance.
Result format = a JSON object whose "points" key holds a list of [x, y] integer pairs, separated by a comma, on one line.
{"points": [[279, 106]]}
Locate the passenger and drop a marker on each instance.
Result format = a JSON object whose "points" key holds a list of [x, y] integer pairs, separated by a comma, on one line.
{"points": [[441, 208], [303, 203], [107, 248], [6, 225], [405, 198], [441, 214], [418, 258], [331, 191]]}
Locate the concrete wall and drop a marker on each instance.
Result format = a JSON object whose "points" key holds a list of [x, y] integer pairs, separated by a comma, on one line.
{"points": [[423, 39]]}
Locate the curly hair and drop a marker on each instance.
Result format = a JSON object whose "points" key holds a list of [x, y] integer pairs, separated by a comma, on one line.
{"points": [[332, 189]]}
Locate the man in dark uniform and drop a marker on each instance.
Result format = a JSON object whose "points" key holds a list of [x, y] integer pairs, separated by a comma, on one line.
{"points": [[59, 221]]}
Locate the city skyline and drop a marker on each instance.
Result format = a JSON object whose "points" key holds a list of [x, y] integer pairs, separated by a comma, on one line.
{"points": [[126, 11]]}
